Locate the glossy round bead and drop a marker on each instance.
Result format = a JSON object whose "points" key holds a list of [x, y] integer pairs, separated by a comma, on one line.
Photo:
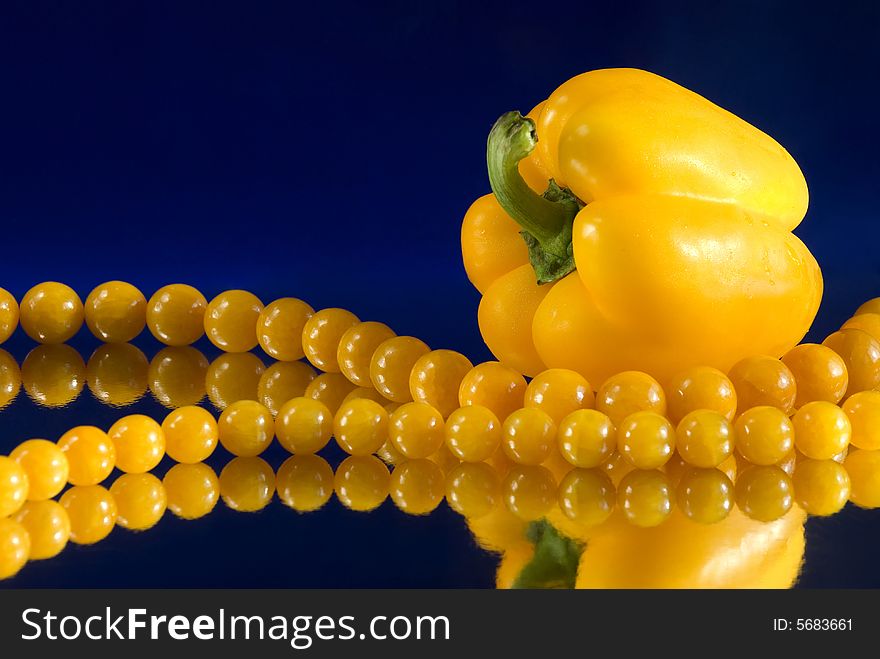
{"points": [[330, 389], [528, 436], [417, 430], [90, 453], [646, 439], [529, 491], [304, 482], [763, 381], [176, 315], [8, 314], [705, 495], [15, 545], [473, 433], [53, 375], [370, 394], [764, 435], [246, 428], [436, 378], [701, 388], [629, 392], [356, 348], [559, 392], [283, 381], [868, 322], [821, 487], [280, 327], [116, 312], [587, 496], [821, 430], [820, 373], [764, 493], [231, 320], [233, 377], [863, 468], [247, 484], [362, 482], [871, 306], [861, 353], [92, 512], [392, 364], [140, 501], [863, 411], [645, 497], [48, 528], [46, 467], [191, 434], [586, 438], [417, 486], [304, 425], [704, 438], [51, 313], [322, 335], [361, 427], [177, 376], [191, 490], [13, 486], [10, 379], [494, 386], [118, 374], [473, 489], [139, 443]]}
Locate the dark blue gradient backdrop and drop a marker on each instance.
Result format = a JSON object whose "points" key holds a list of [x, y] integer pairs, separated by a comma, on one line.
{"points": [[328, 151]]}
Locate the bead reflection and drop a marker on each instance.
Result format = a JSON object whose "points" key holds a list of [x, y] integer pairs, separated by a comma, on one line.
{"points": [[283, 381], [177, 376], [48, 527], [10, 379], [587, 496], [117, 374], [92, 511], [140, 500], [247, 484], [232, 377], [192, 490], [473, 489], [529, 491], [304, 482], [53, 375], [417, 486], [361, 482]]}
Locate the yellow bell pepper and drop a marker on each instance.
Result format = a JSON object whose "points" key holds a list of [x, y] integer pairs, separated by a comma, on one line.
{"points": [[662, 240]]}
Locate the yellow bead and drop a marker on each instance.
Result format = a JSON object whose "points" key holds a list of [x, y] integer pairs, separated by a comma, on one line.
{"points": [[117, 374], [139, 443], [821, 430], [13, 486], [362, 482], [704, 438], [92, 512], [587, 496], [701, 388], [304, 482], [246, 428], [177, 376], [51, 313], [48, 528], [646, 439], [863, 411], [446, 459], [586, 438], [871, 306], [764, 435], [416, 430], [8, 314], [436, 378], [322, 335], [392, 364], [528, 436], [247, 484], [764, 493], [821, 487], [192, 490], [861, 353], [559, 392], [629, 392], [473, 433], [645, 497], [53, 375], [140, 501], [529, 491], [366, 392], [417, 486], [494, 386], [280, 327], [361, 427], [283, 381], [868, 322], [46, 467], [116, 312], [473, 489], [820, 373], [10, 379], [356, 348], [863, 467], [304, 425], [176, 315], [705, 495], [191, 434], [763, 381], [233, 377], [231, 320], [15, 545], [330, 389], [90, 454]]}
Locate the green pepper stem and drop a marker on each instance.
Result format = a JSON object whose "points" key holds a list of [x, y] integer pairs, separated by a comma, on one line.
{"points": [[555, 561]]}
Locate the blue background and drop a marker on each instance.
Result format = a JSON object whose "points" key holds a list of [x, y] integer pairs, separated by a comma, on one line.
{"points": [[329, 152]]}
